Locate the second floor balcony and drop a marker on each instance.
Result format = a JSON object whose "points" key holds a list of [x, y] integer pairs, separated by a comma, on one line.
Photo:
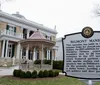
{"points": [[11, 33]]}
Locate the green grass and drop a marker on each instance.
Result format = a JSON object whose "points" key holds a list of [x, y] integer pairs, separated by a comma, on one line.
{"points": [[98, 83], [53, 81], [57, 70]]}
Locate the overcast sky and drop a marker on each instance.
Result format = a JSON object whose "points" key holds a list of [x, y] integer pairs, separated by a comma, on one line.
{"points": [[69, 16]]}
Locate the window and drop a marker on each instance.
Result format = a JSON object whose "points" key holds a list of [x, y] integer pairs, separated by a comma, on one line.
{"points": [[30, 55], [25, 33], [11, 30], [11, 48], [31, 32], [24, 52]]}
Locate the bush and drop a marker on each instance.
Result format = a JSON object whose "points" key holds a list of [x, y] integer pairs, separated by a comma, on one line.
{"points": [[40, 74], [56, 73], [34, 74], [58, 65], [45, 73], [28, 74], [16, 73], [22, 74], [37, 62], [47, 62], [51, 73]]}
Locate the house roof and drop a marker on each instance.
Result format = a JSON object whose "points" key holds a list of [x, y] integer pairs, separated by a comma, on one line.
{"points": [[21, 19], [37, 35], [36, 39]]}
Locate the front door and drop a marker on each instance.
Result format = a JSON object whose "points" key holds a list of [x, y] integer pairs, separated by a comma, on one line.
{"points": [[9, 54]]}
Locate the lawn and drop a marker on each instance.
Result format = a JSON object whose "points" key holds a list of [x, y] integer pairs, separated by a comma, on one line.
{"points": [[98, 83], [62, 80]]}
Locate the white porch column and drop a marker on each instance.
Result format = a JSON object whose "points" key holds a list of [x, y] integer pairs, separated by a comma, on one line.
{"points": [[20, 57], [18, 50], [42, 53], [48, 54], [52, 59], [21, 53], [27, 50], [28, 31], [6, 48], [42, 56], [34, 57], [3, 49]]}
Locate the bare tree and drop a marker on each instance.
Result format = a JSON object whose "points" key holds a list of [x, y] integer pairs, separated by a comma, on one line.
{"points": [[97, 10], [2, 1]]}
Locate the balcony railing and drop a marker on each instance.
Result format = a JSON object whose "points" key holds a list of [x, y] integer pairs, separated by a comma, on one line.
{"points": [[10, 33]]}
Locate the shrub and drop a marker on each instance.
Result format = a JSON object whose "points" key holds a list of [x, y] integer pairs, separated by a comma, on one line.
{"points": [[34, 74], [28, 74], [40, 74], [45, 73], [16, 73], [47, 62], [58, 65], [51, 73], [37, 62], [56, 73], [22, 74]]}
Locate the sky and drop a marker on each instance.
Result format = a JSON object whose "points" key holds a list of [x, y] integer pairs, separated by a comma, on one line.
{"points": [[69, 16]]}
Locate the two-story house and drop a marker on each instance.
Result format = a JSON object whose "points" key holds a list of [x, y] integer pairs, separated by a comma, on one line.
{"points": [[14, 28]]}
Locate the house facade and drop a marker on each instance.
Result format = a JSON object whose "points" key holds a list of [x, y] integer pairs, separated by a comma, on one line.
{"points": [[59, 52], [13, 29]]}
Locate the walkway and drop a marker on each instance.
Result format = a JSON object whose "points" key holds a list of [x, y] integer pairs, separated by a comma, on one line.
{"points": [[7, 71]]}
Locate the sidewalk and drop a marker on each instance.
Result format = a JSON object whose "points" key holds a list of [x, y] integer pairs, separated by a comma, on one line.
{"points": [[7, 71], [61, 73]]}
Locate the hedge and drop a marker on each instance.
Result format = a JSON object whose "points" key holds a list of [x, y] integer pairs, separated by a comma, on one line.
{"points": [[46, 73], [40, 74], [51, 73], [22, 74], [16, 73], [47, 62], [34, 74], [58, 65], [28, 74], [37, 62], [44, 61]]}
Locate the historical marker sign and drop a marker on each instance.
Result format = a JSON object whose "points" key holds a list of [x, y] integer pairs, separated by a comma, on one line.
{"points": [[81, 53]]}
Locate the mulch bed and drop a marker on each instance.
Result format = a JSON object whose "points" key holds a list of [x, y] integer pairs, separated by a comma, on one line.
{"points": [[17, 78]]}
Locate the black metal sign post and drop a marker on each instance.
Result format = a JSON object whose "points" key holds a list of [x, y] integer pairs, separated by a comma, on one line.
{"points": [[81, 55]]}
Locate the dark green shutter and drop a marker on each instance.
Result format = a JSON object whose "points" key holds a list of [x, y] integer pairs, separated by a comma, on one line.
{"points": [[5, 48], [15, 29], [7, 27], [13, 49]]}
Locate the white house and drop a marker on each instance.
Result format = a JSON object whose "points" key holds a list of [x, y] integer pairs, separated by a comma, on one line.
{"points": [[13, 29], [59, 51]]}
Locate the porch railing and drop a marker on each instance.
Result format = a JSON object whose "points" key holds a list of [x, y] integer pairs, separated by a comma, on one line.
{"points": [[10, 33]]}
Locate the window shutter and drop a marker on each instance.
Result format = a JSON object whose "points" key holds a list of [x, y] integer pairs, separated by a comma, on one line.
{"points": [[7, 27], [13, 49], [15, 29], [5, 48]]}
